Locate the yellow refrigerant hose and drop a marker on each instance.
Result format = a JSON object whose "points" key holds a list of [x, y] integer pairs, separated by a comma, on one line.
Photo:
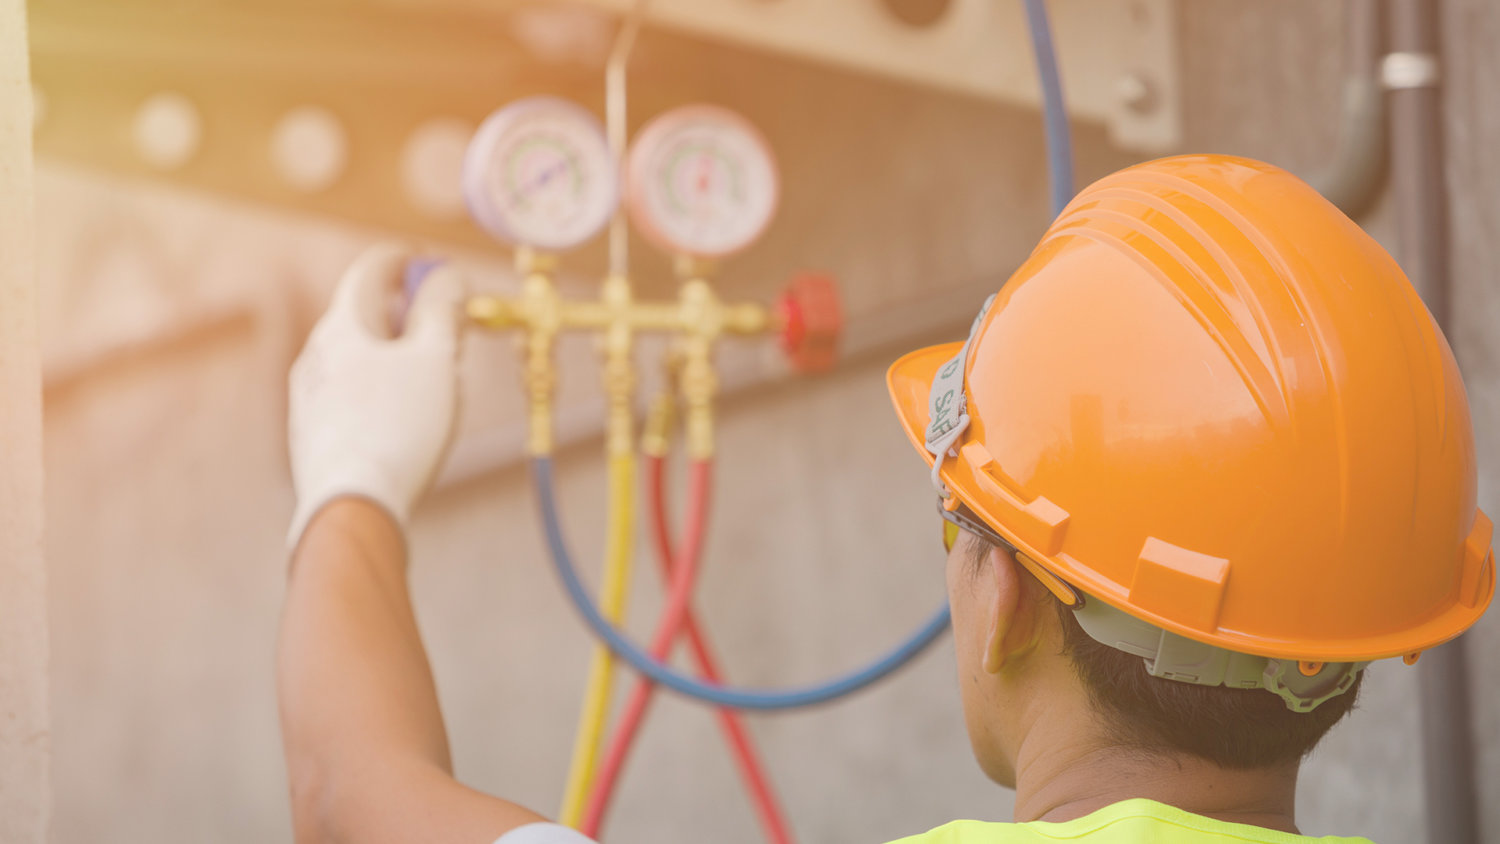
{"points": [[619, 385], [613, 590]]}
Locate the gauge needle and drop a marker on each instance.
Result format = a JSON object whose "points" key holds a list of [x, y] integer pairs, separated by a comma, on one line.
{"points": [[705, 173], [540, 180]]}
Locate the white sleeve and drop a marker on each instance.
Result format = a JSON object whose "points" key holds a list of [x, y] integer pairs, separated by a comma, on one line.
{"points": [[544, 833]]}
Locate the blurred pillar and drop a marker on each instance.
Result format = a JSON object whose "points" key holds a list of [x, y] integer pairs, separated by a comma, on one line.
{"points": [[25, 744]]}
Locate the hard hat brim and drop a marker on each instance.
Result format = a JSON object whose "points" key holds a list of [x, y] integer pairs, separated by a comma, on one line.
{"points": [[909, 381]]}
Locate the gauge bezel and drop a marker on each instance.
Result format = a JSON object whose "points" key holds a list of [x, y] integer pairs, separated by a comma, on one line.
{"points": [[642, 160], [480, 157]]}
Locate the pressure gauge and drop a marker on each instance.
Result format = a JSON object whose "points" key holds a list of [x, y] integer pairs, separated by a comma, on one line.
{"points": [[701, 181], [539, 173]]}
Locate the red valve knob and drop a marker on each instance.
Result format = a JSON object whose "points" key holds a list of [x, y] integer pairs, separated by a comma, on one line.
{"points": [[812, 319]]}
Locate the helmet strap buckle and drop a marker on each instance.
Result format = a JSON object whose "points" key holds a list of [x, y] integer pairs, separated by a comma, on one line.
{"points": [[948, 405]]}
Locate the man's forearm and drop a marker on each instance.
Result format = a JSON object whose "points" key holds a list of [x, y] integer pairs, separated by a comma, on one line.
{"points": [[367, 753]]}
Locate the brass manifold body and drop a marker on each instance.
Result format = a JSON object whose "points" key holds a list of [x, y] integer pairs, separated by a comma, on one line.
{"points": [[698, 318]]}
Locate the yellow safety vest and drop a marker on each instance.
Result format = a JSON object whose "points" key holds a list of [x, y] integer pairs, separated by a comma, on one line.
{"points": [[1129, 822]]}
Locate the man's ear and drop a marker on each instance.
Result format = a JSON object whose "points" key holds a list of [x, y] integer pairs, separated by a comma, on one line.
{"points": [[1014, 626]]}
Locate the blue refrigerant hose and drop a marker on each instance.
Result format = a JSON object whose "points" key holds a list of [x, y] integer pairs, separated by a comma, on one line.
{"points": [[665, 675], [1054, 110], [1060, 163]]}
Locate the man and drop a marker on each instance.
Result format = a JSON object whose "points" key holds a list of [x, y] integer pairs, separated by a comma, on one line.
{"points": [[1202, 458]]}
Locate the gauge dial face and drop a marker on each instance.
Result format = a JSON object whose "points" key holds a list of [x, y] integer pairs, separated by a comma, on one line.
{"points": [[702, 182], [538, 173]]}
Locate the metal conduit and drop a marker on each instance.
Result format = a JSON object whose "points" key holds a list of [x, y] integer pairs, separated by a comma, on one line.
{"points": [[1354, 179], [1410, 73]]}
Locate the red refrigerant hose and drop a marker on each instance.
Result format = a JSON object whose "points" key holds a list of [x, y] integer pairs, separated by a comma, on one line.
{"points": [[677, 618]]}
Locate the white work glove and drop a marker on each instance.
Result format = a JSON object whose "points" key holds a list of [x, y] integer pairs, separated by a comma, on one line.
{"points": [[370, 415]]}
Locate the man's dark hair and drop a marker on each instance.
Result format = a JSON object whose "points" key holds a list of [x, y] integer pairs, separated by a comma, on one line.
{"points": [[1233, 728]]}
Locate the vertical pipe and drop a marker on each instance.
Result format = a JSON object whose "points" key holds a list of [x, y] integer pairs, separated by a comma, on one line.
{"points": [[1447, 746], [25, 752], [1411, 74], [1355, 177]]}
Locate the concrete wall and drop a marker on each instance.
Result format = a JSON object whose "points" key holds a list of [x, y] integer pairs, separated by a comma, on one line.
{"points": [[168, 493], [24, 739]]}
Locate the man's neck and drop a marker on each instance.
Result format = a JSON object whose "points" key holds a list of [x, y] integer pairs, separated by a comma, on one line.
{"points": [[1066, 774]]}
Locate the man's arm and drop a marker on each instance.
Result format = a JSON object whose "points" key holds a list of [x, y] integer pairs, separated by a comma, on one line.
{"points": [[370, 416], [366, 751]]}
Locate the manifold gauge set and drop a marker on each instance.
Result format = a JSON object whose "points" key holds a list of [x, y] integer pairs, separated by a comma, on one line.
{"points": [[700, 181]]}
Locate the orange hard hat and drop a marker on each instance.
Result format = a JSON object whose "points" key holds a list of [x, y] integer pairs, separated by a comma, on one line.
{"points": [[1211, 401]]}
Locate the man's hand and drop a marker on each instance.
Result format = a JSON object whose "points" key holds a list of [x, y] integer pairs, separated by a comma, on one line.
{"points": [[371, 415]]}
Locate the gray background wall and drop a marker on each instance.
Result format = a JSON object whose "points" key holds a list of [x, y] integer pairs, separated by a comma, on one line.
{"points": [[167, 492]]}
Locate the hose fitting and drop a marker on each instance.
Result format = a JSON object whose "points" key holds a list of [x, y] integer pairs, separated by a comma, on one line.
{"points": [[619, 369]]}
